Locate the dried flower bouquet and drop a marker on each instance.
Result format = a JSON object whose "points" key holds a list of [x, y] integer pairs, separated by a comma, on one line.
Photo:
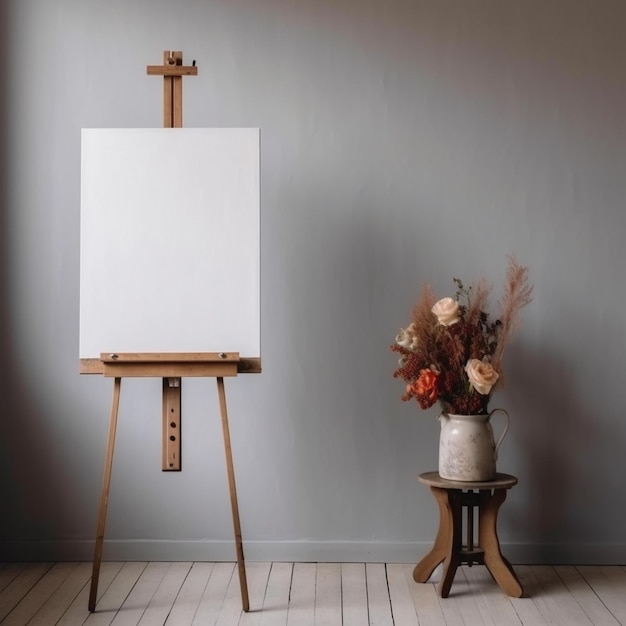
{"points": [[452, 351]]}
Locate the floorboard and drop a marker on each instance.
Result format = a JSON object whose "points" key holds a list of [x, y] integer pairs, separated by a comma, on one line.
{"points": [[378, 603], [585, 596], [188, 599], [56, 605], [609, 584], [401, 601], [214, 594], [494, 608], [304, 594], [328, 594], [301, 610], [19, 587]]}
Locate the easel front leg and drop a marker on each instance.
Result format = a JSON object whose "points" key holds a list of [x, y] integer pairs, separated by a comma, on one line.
{"points": [[243, 583], [425, 568], [497, 565], [104, 495]]}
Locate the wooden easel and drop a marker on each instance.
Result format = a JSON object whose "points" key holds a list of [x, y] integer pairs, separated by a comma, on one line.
{"points": [[171, 367]]}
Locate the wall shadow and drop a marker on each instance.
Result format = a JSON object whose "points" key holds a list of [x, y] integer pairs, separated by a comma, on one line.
{"points": [[34, 494], [567, 458]]}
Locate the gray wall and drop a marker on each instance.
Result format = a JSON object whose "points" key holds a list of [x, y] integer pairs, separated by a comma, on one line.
{"points": [[401, 142]]}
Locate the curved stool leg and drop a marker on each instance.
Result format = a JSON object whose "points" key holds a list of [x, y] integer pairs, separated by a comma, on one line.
{"points": [[447, 543], [453, 557], [424, 569], [497, 565]]}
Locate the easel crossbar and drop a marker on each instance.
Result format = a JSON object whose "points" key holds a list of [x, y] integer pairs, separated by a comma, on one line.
{"points": [[164, 370], [172, 70]]}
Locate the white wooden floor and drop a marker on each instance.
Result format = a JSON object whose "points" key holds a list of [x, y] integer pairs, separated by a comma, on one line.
{"points": [[298, 594]]}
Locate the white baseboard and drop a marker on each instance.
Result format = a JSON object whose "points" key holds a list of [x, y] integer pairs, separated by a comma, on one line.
{"points": [[299, 551]]}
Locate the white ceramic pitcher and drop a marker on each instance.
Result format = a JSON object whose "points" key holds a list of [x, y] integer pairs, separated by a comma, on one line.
{"points": [[467, 451]]}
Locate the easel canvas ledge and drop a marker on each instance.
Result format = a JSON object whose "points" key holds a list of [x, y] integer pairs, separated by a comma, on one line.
{"points": [[244, 365]]}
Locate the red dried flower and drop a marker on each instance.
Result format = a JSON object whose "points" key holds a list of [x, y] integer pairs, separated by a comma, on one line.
{"points": [[426, 388]]}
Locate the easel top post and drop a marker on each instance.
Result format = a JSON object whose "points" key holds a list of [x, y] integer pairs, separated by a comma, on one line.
{"points": [[172, 66], [172, 71]]}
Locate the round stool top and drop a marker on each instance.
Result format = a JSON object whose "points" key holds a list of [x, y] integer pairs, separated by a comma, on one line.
{"points": [[501, 481]]}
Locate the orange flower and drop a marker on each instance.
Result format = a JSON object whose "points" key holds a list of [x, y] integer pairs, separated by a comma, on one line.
{"points": [[425, 388]]}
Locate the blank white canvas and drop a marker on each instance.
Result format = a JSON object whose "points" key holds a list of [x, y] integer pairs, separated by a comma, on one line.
{"points": [[170, 241]]}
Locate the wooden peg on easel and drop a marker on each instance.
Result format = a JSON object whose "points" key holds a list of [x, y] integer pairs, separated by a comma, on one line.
{"points": [[172, 71]]}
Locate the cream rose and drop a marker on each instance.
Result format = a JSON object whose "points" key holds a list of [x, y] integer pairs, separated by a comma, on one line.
{"points": [[447, 311], [406, 338], [481, 375]]}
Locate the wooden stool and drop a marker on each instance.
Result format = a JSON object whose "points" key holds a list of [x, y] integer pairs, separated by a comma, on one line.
{"points": [[448, 548]]}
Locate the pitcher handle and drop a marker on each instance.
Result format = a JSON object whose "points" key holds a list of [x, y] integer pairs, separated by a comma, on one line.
{"points": [[506, 428]]}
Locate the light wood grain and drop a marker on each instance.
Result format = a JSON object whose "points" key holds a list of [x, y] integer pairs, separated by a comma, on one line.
{"points": [[188, 598], [258, 575], [56, 605], [328, 594], [39, 593], [464, 601], [378, 603], [354, 594], [404, 613], [214, 594], [501, 481], [172, 70], [304, 594], [170, 369], [162, 600], [104, 493], [171, 424], [609, 583], [230, 611], [232, 488], [20, 586], [169, 357], [115, 596], [493, 606], [245, 365], [134, 606], [425, 600], [276, 602], [453, 500], [530, 609], [77, 612]]}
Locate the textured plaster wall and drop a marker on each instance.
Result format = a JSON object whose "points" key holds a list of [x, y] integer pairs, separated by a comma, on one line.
{"points": [[402, 141]]}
